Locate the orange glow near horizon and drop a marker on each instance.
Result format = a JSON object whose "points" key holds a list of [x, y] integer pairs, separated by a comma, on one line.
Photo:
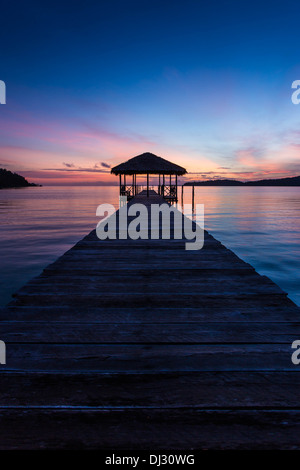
{"points": [[54, 153]]}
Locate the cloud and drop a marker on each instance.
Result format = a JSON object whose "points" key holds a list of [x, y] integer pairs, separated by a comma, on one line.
{"points": [[201, 172], [102, 164], [79, 169], [69, 165]]}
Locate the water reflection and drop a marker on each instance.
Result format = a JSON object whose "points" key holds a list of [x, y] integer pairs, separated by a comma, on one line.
{"points": [[260, 224]]}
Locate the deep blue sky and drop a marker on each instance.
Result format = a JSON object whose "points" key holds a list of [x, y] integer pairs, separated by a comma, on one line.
{"points": [[205, 84]]}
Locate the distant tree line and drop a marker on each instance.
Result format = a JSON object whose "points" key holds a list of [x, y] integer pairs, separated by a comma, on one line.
{"points": [[293, 181]]}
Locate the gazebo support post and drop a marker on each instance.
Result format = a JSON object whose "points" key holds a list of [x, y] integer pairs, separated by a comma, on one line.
{"points": [[147, 184], [132, 192], [159, 184], [176, 188], [120, 180], [193, 199]]}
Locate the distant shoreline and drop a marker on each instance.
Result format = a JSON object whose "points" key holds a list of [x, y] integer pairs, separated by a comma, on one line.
{"points": [[290, 182], [22, 187], [9, 180]]}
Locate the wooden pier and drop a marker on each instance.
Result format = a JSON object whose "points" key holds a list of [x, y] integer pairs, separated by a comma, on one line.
{"points": [[124, 344]]}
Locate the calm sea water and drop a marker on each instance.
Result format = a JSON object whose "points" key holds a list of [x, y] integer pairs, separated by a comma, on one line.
{"points": [[262, 226]]}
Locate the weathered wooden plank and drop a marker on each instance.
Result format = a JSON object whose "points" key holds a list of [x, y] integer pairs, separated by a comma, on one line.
{"points": [[205, 286], [154, 333], [141, 245], [148, 429], [155, 246], [117, 299], [266, 308], [234, 389], [128, 267], [155, 256], [93, 238], [155, 275], [147, 357]]}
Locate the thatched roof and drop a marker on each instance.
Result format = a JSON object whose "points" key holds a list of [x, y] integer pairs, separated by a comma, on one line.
{"points": [[148, 163]]}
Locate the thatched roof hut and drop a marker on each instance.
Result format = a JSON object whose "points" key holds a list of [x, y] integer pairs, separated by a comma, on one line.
{"points": [[148, 163]]}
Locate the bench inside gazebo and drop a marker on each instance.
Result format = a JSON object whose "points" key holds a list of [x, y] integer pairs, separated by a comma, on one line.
{"points": [[149, 164]]}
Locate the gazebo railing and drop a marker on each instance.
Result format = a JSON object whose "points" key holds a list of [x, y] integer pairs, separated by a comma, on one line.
{"points": [[127, 191], [169, 191]]}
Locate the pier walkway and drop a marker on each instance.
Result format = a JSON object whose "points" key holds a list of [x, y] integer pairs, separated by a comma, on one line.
{"points": [[124, 344]]}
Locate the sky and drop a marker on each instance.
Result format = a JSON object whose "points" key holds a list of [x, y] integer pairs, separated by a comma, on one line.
{"points": [[204, 84]]}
